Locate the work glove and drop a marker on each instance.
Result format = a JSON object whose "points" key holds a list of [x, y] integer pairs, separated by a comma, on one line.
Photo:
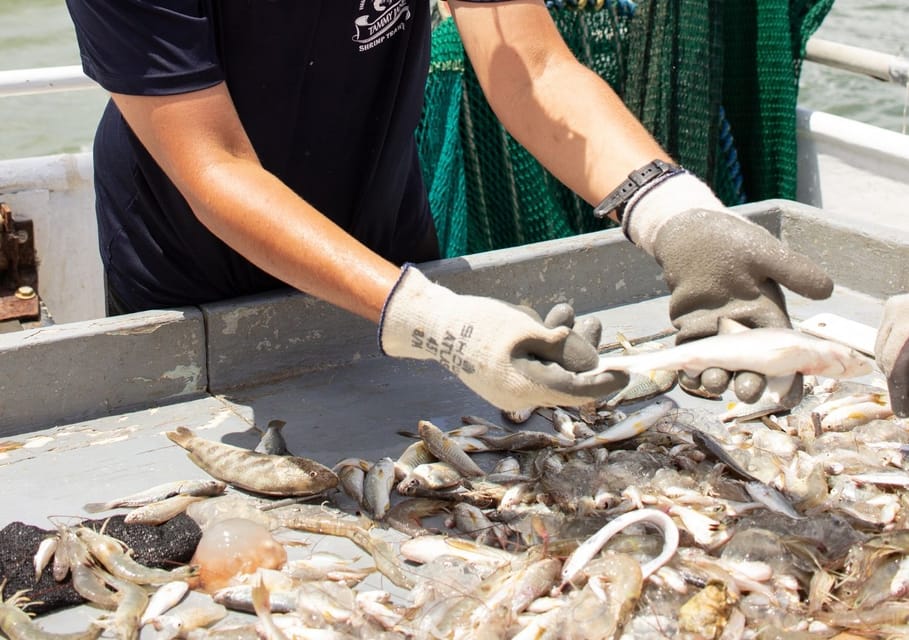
{"points": [[891, 351], [502, 352], [718, 265]]}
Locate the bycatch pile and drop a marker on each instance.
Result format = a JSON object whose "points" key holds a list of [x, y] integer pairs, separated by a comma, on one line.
{"points": [[632, 518]]}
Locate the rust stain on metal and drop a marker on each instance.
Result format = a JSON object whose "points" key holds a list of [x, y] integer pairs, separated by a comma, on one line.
{"points": [[18, 268]]}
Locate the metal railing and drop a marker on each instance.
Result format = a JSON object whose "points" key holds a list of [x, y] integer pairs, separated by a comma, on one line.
{"points": [[20, 82], [874, 64]]}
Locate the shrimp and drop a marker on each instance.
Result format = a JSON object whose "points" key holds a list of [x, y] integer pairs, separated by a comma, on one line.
{"points": [[132, 602], [16, 624], [86, 580], [110, 553]]}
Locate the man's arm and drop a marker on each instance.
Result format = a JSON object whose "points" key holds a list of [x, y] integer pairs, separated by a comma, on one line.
{"points": [[562, 112], [716, 263], [198, 140], [508, 357]]}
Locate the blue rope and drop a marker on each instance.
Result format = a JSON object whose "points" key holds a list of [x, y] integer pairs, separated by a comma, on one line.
{"points": [[733, 166]]}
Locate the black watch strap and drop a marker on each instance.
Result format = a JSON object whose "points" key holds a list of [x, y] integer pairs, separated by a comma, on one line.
{"points": [[650, 172]]}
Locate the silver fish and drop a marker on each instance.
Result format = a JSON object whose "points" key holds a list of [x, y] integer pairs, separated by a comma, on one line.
{"points": [[377, 486], [161, 511], [443, 448], [166, 597], [632, 425], [768, 351], [430, 475], [159, 492]]}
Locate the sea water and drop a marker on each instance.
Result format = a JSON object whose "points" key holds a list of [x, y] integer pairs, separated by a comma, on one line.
{"points": [[38, 33]]}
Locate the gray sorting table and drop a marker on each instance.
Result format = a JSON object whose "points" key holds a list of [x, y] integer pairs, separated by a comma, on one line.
{"points": [[89, 402]]}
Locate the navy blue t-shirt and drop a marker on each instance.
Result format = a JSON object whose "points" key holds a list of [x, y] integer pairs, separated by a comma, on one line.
{"points": [[329, 92]]}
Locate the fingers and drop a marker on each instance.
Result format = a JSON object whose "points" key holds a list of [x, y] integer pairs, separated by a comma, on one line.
{"points": [[749, 386], [580, 387], [800, 274], [578, 351], [561, 315], [562, 346], [591, 329]]}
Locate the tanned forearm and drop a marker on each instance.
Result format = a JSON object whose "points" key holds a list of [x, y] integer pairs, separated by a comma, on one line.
{"points": [[563, 113], [286, 237], [199, 142]]}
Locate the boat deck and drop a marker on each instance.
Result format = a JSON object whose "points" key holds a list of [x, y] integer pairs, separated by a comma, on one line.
{"points": [[90, 402]]}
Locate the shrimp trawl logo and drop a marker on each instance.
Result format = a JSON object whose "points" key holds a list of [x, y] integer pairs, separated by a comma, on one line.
{"points": [[383, 19]]}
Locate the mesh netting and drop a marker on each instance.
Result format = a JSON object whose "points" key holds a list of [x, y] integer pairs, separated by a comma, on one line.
{"points": [[715, 83]]}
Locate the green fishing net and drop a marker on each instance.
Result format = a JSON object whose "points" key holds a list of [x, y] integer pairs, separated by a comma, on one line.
{"points": [[715, 82]]}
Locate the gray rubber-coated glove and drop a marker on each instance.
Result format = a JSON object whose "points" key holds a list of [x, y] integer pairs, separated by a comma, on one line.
{"points": [[502, 352], [891, 351], [718, 265]]}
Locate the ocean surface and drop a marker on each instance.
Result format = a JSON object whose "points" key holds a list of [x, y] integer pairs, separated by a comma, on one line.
{"points": [[38, 33]]}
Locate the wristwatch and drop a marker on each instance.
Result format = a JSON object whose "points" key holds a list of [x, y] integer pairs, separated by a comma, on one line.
{"points": [[657, 170]]}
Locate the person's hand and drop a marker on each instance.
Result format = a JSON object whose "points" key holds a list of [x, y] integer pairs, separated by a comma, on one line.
{"points": [[502, 352], [891, 351], [718, 265]]}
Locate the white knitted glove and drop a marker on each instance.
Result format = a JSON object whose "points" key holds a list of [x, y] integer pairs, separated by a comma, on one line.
{"points": [[500, 351]]}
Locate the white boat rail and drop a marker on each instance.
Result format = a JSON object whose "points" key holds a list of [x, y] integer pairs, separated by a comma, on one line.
{"points": [[875, 64], [881, 66], [20, 82]]}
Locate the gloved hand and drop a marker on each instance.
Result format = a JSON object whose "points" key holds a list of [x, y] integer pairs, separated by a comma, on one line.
{"points": [[502, 352], [891, 350], [718, 265]]}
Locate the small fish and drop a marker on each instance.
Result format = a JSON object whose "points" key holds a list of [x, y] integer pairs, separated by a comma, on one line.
{"points": [[160, 512], [768, 351], [414, 455], [431, 476], [772, 499], [524, 441], [709, 444], [165, 598], [44, 554], [634, 424], [423, 549], [351, 474], [257, 472], [642, 385], [182, 621], [443, 448], [160, 492], [239, 597], [508, 464], [850, 416], [882, 478], [377, 486], [272, 441]]}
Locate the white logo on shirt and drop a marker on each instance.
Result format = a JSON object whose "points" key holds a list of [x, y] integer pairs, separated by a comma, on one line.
{"points": [[379, 21]]}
